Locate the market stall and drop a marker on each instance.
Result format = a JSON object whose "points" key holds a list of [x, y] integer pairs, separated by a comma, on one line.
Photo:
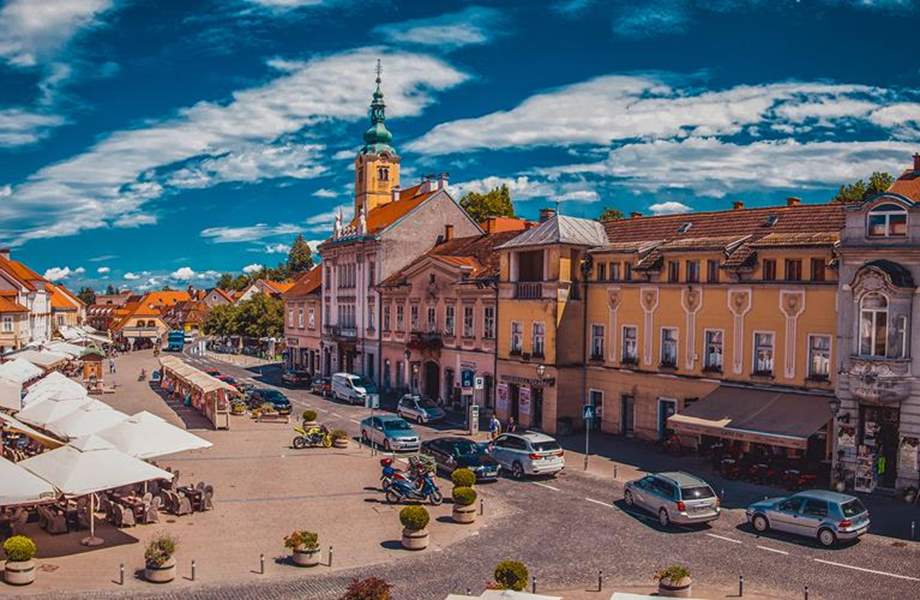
{"points": [[209, 395]]}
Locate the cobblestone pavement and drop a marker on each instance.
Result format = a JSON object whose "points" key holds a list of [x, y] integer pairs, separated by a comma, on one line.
{"points": [[567, 529]]}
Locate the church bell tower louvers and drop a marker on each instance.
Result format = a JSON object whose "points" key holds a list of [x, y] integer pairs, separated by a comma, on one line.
{"points": [[377, 164]]}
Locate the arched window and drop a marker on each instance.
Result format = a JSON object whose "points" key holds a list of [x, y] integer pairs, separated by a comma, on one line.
{"points": [[887, 220], [873, 325]]}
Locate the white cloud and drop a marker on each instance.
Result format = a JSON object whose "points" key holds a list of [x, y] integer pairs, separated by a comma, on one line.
{"points": [[578, 196], [253, 268], [618, 108], [6, 191], [344, 155], [186, 274], [32, 31], [285, 4], [131, 276], [103, 270], [96, 188], [652, 19], [473, 25], [252, 164], [183, 274], [19, 127], [59, 273], [277, 248], [325, 193], [248, 233], [669, 208]]}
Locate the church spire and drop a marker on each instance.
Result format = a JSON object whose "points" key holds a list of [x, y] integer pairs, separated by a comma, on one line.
{"points": [[377, 138]]}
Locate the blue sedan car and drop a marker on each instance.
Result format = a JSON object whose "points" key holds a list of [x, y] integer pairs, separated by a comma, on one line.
{"points": [[391, 432], [818, 514]]}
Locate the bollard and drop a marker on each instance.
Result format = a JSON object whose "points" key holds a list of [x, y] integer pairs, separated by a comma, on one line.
{"points": [[193, 570], [121, 576], [806, 592], [469, 591], [330, 556], [262, 564], [615, 473], [600, 580], [913, 529], [533, 585], [740, 585], [481, 507]]}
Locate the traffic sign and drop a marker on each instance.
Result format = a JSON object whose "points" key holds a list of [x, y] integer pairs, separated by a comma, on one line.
{"points": [[480, 383], [466, 378], [587, 412]]}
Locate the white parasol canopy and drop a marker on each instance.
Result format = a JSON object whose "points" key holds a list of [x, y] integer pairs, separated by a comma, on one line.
{"points": [[21, 486], [10, 394], [43, 358], [71, 350], [19, 370], [90, 464], [89, 418], [56, 390], [11, 424], [55, 379], [45, 411], [146, 435]]}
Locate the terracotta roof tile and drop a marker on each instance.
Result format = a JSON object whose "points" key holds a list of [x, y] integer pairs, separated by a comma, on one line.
{"points": [[307, 283], [9, 306], [908, 185]]}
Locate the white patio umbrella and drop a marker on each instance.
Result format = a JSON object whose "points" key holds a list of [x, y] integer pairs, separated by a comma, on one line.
{"points": [[21, 486], [87, 465], [12, 424], [50, 409], [54, 391], [55, 380], [20, 370], [10, 394], [147, 436], [89, 418]]}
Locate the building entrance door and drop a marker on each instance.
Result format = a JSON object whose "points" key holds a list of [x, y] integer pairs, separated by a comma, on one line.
{"points": [[536, 408], [432, 380], [514, 391], [880, 426], [666, 408], [627, 415]]}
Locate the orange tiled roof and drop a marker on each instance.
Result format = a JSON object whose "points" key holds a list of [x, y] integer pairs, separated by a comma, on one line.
{"points": [[279, 287], [908, 185], [61, 300], [9, 306], [381, 217], [23, 274], [307, 283]]}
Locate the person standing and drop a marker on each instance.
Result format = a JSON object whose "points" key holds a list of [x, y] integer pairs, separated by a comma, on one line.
{"points": [[495, 427], [512, 426]]}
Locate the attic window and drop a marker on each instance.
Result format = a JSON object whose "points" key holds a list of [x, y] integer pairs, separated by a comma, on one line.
{"points": [[770, 220], [685, 227]]}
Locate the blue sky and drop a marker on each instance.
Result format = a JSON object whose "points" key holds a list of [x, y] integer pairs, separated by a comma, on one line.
{"points": [[147, 143]]}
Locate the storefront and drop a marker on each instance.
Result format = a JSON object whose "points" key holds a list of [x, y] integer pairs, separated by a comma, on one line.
{"points": [[527, 394]]}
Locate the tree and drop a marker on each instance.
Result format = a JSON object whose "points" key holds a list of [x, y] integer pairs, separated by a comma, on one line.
{"points": [[611, 214], [300, 257], [494, 203], [110, 290], [260, 316], [860, 190], [87, 295]]}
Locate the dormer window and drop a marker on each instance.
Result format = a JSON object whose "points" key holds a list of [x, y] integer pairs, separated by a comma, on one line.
{"points": [[887, 220], [684, 228]]}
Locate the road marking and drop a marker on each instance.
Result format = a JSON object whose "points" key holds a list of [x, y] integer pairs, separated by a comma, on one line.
{"points": [[769, 549], [723, 538], [356, 421], [602, 503], [335, 414], [546, 485], [864, 570]]}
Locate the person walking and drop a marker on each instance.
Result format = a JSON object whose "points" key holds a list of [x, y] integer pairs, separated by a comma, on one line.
{"points": [[512, 426], [495, 427]]}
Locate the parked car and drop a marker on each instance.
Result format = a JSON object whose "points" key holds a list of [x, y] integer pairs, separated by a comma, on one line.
{"points": [[451, 453], [354, 389], [389, 431], [295, 378], [413, 407], [527, 453], [321, 386], [675, 497], [230, 380], [279, 401], [825, 516]]}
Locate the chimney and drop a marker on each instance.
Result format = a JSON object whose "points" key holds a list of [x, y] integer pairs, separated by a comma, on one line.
{"points": [[5, 253], [395, 193], [448, 233], [635, 214], [442, 181], [546, 214], [737, 205], [793, 201], [917, 162]]}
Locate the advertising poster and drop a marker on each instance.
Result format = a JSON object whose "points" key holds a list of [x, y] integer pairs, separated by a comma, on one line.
{"points": [[524, 401], [502, 405]]}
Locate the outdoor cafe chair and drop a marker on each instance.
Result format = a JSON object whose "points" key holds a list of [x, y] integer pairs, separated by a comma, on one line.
{"points": [[184, 505]]}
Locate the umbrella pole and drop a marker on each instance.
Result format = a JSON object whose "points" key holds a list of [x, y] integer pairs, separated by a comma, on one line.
{"points": [[92, 540]]}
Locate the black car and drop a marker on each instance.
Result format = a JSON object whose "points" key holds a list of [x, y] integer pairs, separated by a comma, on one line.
{"points": [[296, 378], [279, 401], [451, 453]]}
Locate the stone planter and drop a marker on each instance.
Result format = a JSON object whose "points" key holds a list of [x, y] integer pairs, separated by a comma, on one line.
{"points": [[464, 514], [161, 574], [414, 540], [306, 558], [19, 572], [340, 442], [675, 589], [309, 424]]}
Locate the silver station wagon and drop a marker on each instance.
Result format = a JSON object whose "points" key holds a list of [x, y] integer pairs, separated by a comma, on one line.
{"points": [[818, 514], [675, 497]]}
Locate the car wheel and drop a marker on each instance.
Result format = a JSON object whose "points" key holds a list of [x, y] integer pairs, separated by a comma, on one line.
{"points": [[627, 498], [364, 437], [760, 524], [826, 537], [436, 498], [517, 470], [663, 519], [392, 497]]}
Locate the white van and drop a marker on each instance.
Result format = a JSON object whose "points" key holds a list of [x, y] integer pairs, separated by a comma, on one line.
{"points": [[354, 389]]}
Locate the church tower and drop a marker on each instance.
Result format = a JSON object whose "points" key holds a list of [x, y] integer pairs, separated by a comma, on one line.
{"points": [[377, 164]]}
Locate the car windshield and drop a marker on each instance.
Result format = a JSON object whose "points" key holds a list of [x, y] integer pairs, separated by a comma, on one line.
{"points": [[696, 492], [274, 396], [368, 386], [549, 446], [396, 425], [467, 449], [852, 508], [427, 403]]}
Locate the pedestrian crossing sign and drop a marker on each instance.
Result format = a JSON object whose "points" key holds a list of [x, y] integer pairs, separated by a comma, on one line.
{"points": [[588, 412]]}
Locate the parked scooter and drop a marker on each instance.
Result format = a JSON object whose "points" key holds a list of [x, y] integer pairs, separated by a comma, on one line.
{"points": [[316, 435], [390, 474], [402, 489]]}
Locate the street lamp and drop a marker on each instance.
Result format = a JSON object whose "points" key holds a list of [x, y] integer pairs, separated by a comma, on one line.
{"points": [[408, 355], [541, 371]]}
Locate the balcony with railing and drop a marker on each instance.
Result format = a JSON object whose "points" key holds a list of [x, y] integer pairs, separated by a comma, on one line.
{"points": [[879, 379], [341, 331], [528, 290]]}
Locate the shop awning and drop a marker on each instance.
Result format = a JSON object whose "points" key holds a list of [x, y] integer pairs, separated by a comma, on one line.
{"points": [[761, 416]]}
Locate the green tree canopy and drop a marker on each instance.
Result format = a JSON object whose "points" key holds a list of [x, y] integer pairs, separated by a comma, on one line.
{"points": [[860, 190], [110, 290], [611, 213], [300, 257], [260, 316], [494, 203], [87, 295]]}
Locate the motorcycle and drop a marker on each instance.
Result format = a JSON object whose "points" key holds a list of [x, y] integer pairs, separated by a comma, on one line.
{"points": [[317, 435], [425, 489], [390, 473]]}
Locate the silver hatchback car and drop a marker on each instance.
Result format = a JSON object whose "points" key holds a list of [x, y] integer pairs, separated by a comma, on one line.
{"points": [[825, 516], [675, 497]]}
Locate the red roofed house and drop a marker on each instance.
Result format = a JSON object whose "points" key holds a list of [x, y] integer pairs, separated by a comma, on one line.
{"points": [[140, 323], [303, 322], [25, 304], [391, 228], [66, 309], [265, 286]]}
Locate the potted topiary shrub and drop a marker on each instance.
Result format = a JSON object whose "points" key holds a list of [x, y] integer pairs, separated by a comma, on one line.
{"points": [[309, 417], [511, 575], [372, 588], [304, 547], [463, 477], [340, 438], [20, 568], [160, 562], [415, 521], [464, 505], [674, 582]]}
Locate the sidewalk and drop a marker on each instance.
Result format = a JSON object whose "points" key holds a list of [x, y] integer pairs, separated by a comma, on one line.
{"points": [[699, 592], [629, 459]]}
